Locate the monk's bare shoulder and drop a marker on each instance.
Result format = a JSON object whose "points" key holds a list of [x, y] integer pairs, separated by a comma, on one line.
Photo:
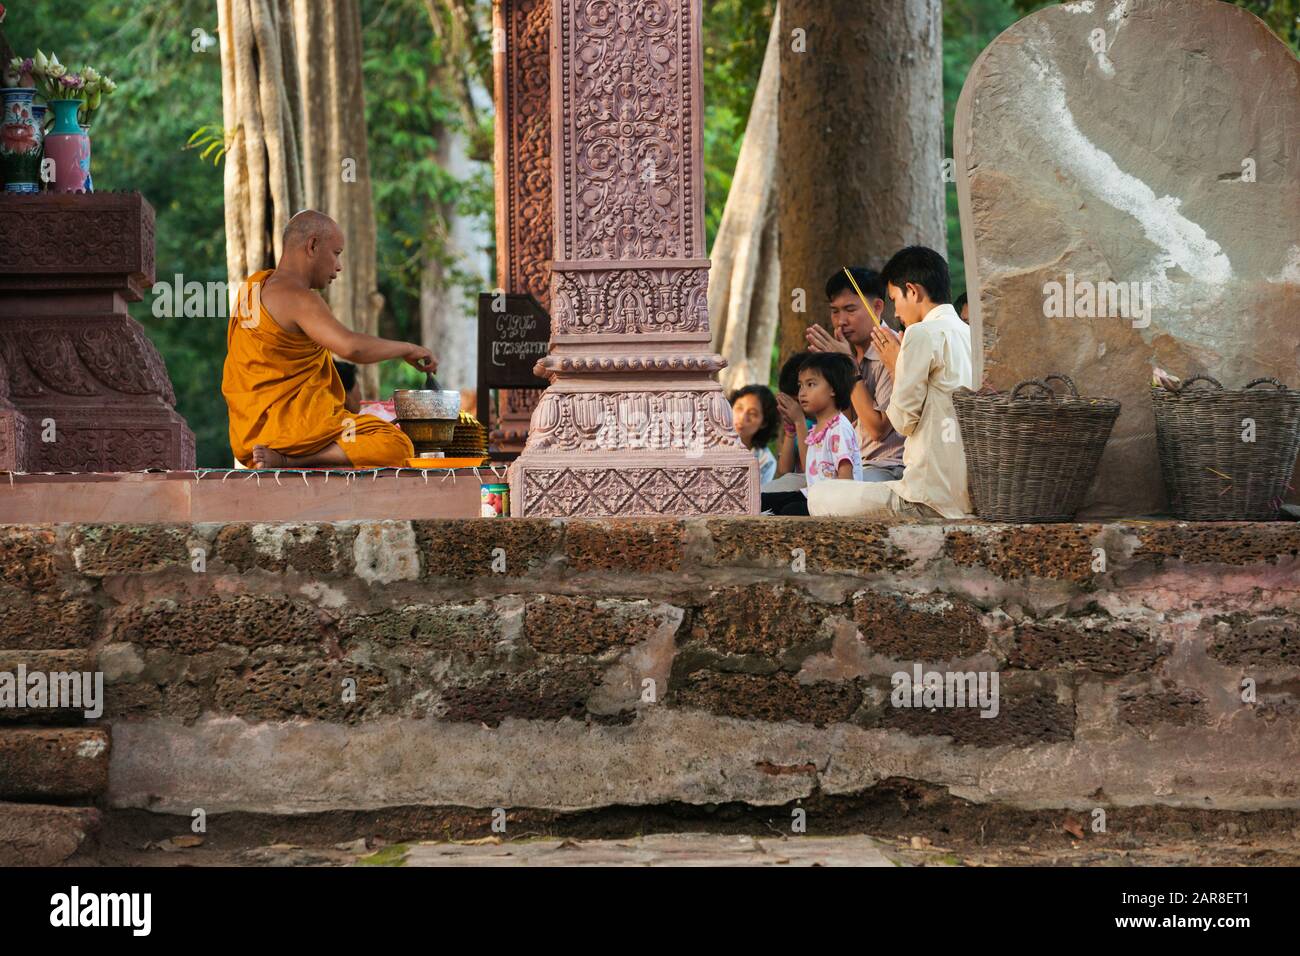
{"points": [[290, 305]]}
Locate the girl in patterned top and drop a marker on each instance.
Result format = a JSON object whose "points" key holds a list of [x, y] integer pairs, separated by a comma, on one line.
{"points": [[830, 448]]}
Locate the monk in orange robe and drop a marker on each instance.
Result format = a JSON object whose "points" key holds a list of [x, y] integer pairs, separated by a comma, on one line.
{"points": [[284, 394]]}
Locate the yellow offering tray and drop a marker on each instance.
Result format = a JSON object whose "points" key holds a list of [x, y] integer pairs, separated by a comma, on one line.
{"points": [[446, 462]]}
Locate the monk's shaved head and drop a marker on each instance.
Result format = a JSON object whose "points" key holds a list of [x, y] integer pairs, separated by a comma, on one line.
{"points": [[313, 247], [309, 224]]}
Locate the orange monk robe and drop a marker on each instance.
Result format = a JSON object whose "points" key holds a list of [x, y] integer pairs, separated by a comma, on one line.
{"points": [[284, 392]]}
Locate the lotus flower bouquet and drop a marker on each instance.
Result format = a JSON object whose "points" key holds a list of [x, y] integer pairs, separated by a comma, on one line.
{"points": [[19, 72], [96, 87]]}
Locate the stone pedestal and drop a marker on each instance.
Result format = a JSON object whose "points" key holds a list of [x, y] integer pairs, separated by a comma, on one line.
{"points": [[635, 422], [87, 390]]}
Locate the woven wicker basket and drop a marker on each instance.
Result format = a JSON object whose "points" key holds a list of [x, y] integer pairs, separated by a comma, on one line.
{"points": [[1031, 458], [1211, 472]]}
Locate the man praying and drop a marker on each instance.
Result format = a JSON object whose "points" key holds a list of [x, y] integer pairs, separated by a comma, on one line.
{"points": [[286, 400], [882, 446]]}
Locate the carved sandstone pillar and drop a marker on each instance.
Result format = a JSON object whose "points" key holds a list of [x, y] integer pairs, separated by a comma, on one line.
{"points": [[635, 422], [525, 227], [91, 385]]}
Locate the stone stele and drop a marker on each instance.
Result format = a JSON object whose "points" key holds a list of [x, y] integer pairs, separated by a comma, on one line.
{"points": [[634, 422], [1149, 141]]}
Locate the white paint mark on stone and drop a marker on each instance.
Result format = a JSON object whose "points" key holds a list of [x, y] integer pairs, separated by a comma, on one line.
{"points": [[1118, 11], [1181, 243], [1079, 6], [323, 594], [91, 748], [1290, 273]]}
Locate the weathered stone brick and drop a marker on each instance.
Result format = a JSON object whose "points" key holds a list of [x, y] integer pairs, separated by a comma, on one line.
{"points": [[629, 546], [551, 692], [1255, 640], [180, 700], [46, 621], [28, 557], [53, 763], [1107, 649], [937, 627], [1231, 543], [562, 625], [470, 629], [465, 549], [33, 834], [1058, 552], [202, 624], [317, 548], [828, 544], [762, 619], [129, 549], [277, 690], [771, 697], [1029, 712], [1180, 707]]}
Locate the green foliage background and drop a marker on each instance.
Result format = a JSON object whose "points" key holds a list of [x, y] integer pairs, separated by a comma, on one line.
{"points": [[167, 91]]}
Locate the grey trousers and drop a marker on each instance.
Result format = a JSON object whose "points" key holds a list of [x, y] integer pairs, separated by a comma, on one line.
{"points": [[882, 473]]}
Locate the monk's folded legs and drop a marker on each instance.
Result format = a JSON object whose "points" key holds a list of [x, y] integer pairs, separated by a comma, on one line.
{"points": [[367, 442]]}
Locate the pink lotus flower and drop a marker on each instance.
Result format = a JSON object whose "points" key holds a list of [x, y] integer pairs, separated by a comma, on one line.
{"points": [[18, 138], [2, 13]]}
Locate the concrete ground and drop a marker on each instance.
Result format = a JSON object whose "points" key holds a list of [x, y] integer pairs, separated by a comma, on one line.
{"points": [[715, 849]]}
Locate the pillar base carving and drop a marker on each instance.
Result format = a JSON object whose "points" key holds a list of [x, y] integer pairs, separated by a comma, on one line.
{"points": [[87, 389]]}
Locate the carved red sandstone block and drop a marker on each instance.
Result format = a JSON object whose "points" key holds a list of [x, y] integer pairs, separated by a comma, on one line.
{"points": [[87, 389]]}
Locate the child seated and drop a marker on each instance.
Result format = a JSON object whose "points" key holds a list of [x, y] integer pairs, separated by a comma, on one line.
{"points": [[829, 449], [788, 461], [754, 414], [932, 361]]}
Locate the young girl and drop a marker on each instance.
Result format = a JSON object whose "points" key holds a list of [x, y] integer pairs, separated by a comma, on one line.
{"points": [[753, 410], [830, 448]]}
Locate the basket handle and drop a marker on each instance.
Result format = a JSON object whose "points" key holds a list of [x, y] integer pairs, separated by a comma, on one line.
{"points": [[1069, 383], [1270, 381], [1200, 378], [1041, 383]]}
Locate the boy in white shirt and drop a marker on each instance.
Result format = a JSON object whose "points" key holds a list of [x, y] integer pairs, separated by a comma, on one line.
{"points": [[932, 361]]}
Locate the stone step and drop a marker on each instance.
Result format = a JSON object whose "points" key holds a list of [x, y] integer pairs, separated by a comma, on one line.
{"points": [[33, 834], [53, 763], [17, 668]]}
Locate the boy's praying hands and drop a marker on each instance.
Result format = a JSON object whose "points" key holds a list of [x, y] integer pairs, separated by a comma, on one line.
{"points": [[887, 343]]}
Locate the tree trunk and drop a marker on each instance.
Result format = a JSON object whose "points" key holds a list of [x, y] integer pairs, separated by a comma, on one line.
{"points": [[745, 280], [860, 161], [260, 109], [335, 157]]}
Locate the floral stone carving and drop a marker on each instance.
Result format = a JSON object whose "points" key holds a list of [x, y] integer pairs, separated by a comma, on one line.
{"points": [[634, 422]]}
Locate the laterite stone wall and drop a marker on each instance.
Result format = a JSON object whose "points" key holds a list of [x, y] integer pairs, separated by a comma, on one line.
{"points": [[287, 669]]}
